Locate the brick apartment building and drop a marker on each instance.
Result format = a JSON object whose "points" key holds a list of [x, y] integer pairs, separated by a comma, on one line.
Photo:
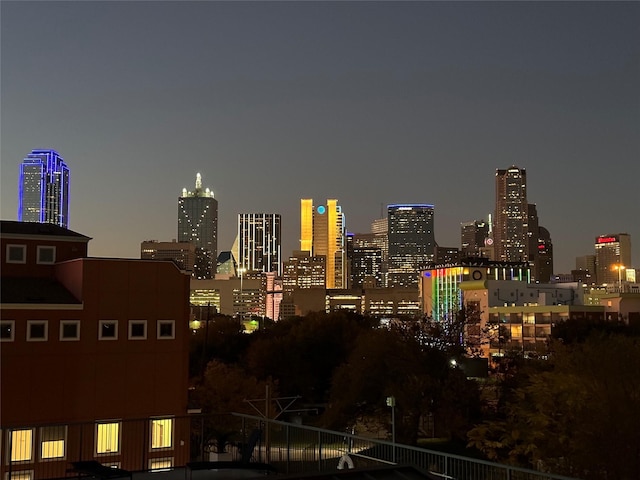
{"points": [[87, 346]]}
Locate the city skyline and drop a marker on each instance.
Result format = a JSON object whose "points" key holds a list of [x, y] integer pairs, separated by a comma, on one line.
{"points": [[372, 103]]}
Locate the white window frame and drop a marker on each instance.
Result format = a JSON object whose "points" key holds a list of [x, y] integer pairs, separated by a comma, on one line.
{"points": [[10, 441], [64, 443], [69, 322], [135, 322], [12, 324], [159, 329], [104, 322], [21, 247], [30, 323], [118, 442], [42, 248]]}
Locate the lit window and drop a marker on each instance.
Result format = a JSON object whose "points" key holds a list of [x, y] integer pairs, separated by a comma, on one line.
{"points": [[20, 475], [162, 433], [16, 253], [160, 464], [7, 331], [21, 445], [108, 330], [107, 437], [37, 331], [166, 329], [52, 441], [137, 329], [46, 254], [69, 330]]}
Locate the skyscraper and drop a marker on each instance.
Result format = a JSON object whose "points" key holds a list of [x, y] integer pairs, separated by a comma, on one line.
{"points": [[613, 254], [473, 237], [198, 224], [43, 189], [259, 242], [411, 242], [511, 219], [322, 232]]}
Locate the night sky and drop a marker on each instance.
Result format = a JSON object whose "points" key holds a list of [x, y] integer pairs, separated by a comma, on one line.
{"points": [[368, 102]]}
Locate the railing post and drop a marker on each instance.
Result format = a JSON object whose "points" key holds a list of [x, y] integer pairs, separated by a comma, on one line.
{"points": [[288, 443], [319, 451]]}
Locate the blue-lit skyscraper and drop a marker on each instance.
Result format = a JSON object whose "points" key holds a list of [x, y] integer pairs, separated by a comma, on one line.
{"points": [[43, 189]]}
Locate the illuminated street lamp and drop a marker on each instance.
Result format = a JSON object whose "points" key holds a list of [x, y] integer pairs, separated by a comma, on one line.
{"points": [[241, 271], [619, 268]]}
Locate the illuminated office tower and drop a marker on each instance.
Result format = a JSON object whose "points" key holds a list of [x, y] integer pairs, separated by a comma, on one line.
{"points": [[322, 233], [511, 220], [613, 254], [198, 224], [259, 241], [473, 238], [43, 190], [411, 242]]}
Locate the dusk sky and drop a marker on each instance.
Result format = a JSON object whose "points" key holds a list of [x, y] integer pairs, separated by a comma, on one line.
{"points": [[370, 103]]}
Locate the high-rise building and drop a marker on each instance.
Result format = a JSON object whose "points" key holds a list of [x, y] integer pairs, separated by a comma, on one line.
{"points": [[198, 224], [303, 271], [322, 233], [183, 254], [259, 242], [411, 242], [43, 190], [367, 267], [613, 254], [473, 237], [511, 218]]}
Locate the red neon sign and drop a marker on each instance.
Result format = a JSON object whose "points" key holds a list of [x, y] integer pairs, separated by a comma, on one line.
{"points": [[607, 239]]}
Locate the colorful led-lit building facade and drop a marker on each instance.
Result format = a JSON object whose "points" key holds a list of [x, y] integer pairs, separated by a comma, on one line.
{"points": [[43, 189], [323, 233], [613, 254], [411, 242], [501, 309], [198, 224], [259, 242]]}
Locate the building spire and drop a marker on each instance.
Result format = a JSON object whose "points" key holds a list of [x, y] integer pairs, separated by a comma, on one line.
{"points": [[198, 182]]}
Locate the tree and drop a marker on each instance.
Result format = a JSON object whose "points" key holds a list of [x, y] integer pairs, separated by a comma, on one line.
{"points": [[385, 363], [580, 418], [303, 353]]}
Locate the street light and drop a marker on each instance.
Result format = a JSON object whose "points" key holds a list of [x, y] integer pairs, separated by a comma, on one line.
{"points": [[391, 402], [619, 268]]}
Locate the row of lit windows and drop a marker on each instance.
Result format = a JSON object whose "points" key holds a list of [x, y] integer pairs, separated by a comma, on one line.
{"points": [[46, 254], [38, 330], [51, 441]]}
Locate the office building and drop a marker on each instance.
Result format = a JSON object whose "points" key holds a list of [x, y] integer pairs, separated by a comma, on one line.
{"points": [[322, 233], [511, 217], [198, 224], [94, 351], [473, 237], [43, 189], [366, 271], [259, 242], [303, 271], [539, 247], [183, 254], [411, 242], [613, 254]]}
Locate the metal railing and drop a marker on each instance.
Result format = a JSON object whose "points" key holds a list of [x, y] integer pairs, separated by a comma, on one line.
{"points": [[45, 452]]}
